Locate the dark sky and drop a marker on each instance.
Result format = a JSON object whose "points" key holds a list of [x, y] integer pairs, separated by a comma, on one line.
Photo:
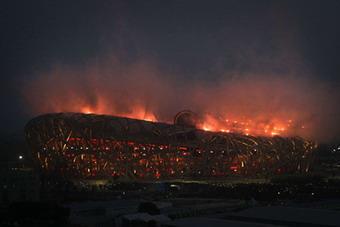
{"points": [[190, 40]]}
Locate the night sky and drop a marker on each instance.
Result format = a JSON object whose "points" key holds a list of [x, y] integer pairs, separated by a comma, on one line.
{"points": [[189, 41]]}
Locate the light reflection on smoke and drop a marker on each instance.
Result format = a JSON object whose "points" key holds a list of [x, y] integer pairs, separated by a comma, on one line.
{"points": [[252, 104]]}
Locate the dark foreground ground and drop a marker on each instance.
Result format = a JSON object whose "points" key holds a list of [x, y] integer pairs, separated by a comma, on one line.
{"points": [[282, 201], [27, 200]]}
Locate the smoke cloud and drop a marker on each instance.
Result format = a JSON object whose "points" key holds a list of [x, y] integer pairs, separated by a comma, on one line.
{"points": [[305, 107]]}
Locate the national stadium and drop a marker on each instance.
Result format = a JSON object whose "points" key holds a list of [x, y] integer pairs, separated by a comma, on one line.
{"points": [[90, 146]]}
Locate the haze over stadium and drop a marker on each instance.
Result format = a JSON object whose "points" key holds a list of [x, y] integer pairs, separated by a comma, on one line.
{"points": [[286, 105]]}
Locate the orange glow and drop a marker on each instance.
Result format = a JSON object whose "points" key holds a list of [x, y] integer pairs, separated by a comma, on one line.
{"points": [[206, 128], [137, 112], [256, 127], [87, 110], [140, 113], [259, 124]]}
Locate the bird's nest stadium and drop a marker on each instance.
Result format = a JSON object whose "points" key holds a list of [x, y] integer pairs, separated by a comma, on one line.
{"points": [[89, 146]]}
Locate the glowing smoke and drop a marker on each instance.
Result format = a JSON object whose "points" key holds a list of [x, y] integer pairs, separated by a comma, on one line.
{"points": [[141, 90]]}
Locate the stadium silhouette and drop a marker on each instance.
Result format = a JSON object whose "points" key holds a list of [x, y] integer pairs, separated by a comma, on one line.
{"points": [[89, 146]]}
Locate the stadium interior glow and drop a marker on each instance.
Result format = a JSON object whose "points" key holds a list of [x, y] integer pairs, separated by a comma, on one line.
{"points": [[76, 145]]}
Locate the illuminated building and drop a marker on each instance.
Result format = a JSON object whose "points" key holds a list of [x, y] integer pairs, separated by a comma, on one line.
{"points": [[88, 146]]}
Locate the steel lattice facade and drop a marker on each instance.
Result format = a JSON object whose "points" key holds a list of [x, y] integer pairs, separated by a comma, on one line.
{"points": [[87, 146]]}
